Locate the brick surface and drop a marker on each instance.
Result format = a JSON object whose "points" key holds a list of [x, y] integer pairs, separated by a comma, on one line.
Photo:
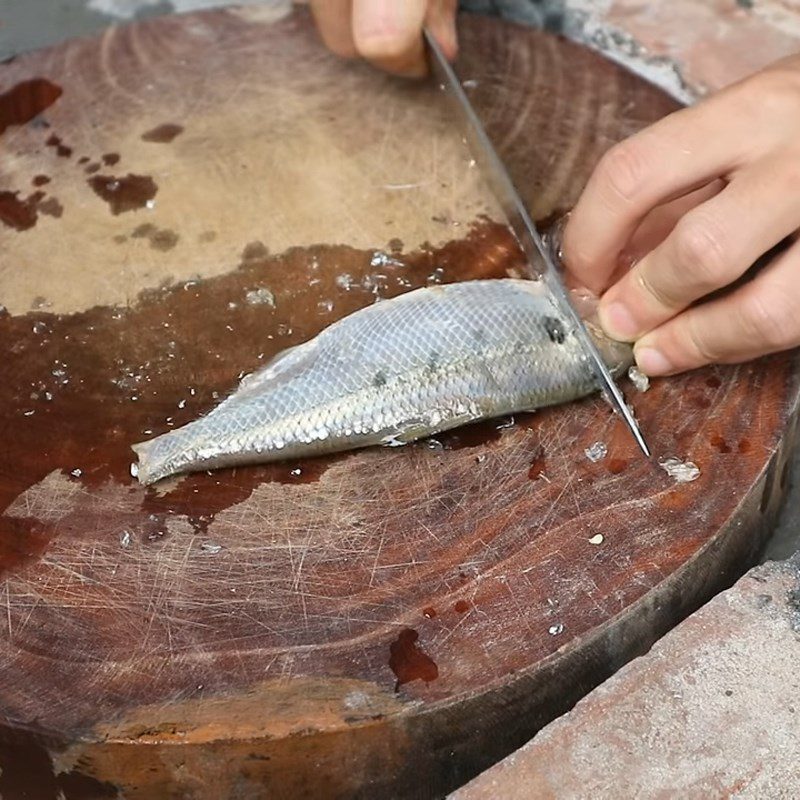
{"points": [[712, 711]]}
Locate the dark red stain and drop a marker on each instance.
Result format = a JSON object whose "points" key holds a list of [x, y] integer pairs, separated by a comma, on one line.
{"points": [[77, 390], [60, 148], [699, 400], [616, 465], [462, 606], [408, 662], [538, 465], [745, 446], [429, 612], [110, 159], [124, 194], [17, 212], [719, 443], [163, 134], [713, 382], [26, 100], [40, 180]]}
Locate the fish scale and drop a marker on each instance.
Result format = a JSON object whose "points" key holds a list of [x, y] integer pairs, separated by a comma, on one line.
{"points": [[396, 371]]}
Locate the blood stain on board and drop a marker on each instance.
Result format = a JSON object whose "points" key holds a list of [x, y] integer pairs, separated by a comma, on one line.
{"points": [[461, 606], [27, 100], [408, 662], [163, 134], [108, 377], [127, 193]]}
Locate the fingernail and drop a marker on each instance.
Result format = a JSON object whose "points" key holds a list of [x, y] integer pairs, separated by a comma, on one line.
{"points": [[618, 322], [652, 362]]}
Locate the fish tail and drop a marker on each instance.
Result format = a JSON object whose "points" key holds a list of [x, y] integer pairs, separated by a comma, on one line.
{"points": [[158, 458]]}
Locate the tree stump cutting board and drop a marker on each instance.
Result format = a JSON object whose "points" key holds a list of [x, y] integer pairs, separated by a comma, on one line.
{"points": [[183, 198]]}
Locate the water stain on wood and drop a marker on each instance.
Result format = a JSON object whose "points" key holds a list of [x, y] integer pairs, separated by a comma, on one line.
{"points": [[408, 662], [27, 100], [160, 238], [19, 213], [22, 213], [538, 465], [616, 465], [163, 134], [127, 193], [81, 388], [61, 149]]}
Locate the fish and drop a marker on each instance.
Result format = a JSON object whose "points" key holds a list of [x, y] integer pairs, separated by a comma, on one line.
{"points": [[394, 372]]}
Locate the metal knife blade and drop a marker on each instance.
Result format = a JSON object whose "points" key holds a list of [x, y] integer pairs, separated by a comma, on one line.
{"points": [[521, 224]]}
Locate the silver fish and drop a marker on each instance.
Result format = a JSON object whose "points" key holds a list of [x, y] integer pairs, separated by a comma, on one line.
{"points": [[399, 370]]}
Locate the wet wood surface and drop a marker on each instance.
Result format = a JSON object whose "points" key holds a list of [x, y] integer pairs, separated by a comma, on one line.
{"points": [[181, 199]]}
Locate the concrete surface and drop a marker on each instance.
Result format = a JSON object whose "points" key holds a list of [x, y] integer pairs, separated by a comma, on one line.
{"points": [[712, 711]]}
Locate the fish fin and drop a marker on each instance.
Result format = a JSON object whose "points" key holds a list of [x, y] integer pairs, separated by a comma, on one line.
{"points": [[281, 366], [420, 428], [408, 432]]}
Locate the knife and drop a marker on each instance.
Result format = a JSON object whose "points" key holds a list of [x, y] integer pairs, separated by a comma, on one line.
{"points": [[519, 220]]}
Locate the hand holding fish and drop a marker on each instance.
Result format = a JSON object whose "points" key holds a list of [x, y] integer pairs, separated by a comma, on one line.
{"points": [[692, 202], [386, 32]]}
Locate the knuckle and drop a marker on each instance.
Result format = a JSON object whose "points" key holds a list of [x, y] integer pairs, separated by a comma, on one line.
{"points": [[625, 169], [704, 352], [770, 318], [774, 91], [700, 252]]}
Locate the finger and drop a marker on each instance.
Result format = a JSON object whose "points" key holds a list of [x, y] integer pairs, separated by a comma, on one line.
{"points": [[761, 317], [334, 23], [671, 158], [389, 34], [709, 248], [441, 22], [658, 224]]}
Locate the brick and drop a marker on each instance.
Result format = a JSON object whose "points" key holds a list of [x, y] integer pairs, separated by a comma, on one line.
{"points": [[713, 710]]}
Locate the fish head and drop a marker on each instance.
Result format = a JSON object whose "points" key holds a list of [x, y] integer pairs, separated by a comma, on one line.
{"points": [[618, 356]]}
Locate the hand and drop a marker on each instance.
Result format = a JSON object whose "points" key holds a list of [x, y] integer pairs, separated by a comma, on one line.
{"points": [[387, 33], [692, 202]]}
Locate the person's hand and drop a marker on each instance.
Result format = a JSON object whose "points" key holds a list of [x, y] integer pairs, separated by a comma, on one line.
{"points": [[692, 202], [388, 33]]}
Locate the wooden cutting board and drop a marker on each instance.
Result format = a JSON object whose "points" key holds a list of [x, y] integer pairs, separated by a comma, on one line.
{"points": [[183, 198]]}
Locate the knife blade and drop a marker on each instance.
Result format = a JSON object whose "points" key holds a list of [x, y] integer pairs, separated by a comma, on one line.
{"points": [[499, 182]]}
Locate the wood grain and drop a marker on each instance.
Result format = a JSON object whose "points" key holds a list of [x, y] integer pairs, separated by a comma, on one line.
{"points": [[383, 623]]}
